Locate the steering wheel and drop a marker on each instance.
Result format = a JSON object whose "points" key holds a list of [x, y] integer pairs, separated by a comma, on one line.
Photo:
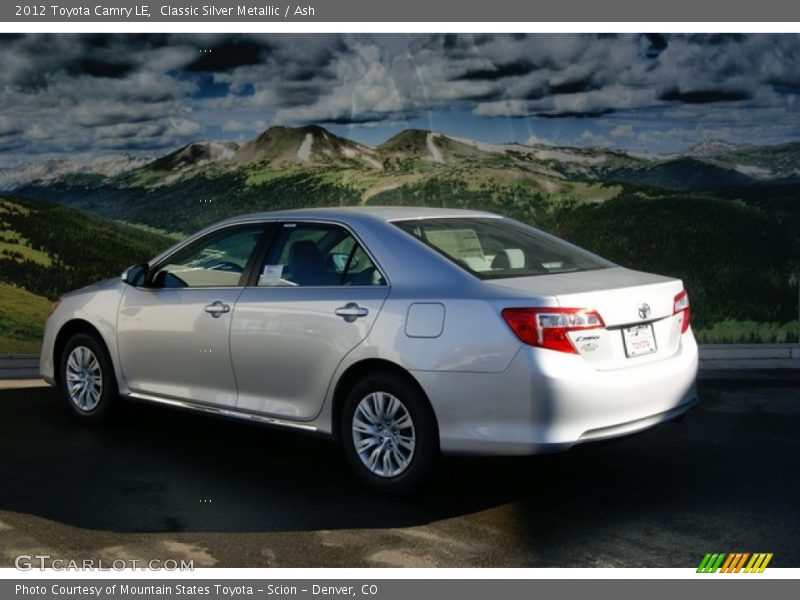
{"points": [[226, 265]]}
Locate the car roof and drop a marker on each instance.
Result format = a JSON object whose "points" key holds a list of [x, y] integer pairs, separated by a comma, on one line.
{"points": [[380, 213]]}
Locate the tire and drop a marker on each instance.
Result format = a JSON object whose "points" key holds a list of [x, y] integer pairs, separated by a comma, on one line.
{"points": [[407, 434], [85, 365]]}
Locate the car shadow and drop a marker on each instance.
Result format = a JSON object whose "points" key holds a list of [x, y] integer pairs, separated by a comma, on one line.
{"points": [[155, 469], [159, 470]]}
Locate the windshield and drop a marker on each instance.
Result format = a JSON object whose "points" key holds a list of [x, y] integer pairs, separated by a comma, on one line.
{"points": [[493, 248]]}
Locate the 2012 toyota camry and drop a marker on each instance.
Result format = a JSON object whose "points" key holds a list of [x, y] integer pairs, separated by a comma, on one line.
{"points": [[401, 332]]}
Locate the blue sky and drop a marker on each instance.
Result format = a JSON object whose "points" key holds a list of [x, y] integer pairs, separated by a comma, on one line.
{"points": [[67, 95]]}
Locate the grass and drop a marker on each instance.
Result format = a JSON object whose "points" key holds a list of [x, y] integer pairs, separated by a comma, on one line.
{"points": [[21, 248], [6, 206], [22, 317], [257, 176], [740, 332], [172, 235]]}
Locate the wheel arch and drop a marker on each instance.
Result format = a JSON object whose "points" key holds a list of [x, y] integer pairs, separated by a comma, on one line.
{"points": [[69, 329], [359, 369]]}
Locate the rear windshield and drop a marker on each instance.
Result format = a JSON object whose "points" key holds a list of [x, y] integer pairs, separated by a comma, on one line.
{"points": [[492, 248]]}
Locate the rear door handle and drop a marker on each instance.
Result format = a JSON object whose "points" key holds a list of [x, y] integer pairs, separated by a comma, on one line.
{"points": [[215, 309], [351, 311]]}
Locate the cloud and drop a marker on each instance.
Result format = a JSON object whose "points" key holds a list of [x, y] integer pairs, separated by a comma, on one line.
{"points": [[535, 140], [234, 126], [67, 93], [704, 96], [590, 138], [183, 127], [7, 126], [228, 55], [624, 130]]}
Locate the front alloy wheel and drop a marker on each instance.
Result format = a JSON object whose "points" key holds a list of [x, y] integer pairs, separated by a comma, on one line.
{"points": [[84, 379], [87, 377]]}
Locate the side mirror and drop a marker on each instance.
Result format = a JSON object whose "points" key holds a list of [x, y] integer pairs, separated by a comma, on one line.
{"points": [[135, 275]]}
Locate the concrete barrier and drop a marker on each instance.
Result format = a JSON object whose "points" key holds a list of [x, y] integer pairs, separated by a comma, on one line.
{"points": [[749, 351], [19, 366]]}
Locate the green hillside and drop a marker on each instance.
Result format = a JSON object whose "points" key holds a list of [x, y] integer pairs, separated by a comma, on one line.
{"points": [[684, 174], [201, 200], [733, 259], [48, 249], [22, 317]]}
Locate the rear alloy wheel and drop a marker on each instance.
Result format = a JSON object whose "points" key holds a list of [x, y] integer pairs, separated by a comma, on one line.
{"points": [[389, 433], [383, 434], [87, 377]]}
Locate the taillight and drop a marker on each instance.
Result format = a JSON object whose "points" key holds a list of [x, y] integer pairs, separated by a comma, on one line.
{"points": [[681, 304], [548, 327], [53, 307]]}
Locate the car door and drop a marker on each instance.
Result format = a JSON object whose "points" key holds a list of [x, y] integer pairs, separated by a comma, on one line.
{"points": [[316, 296], [173, 333]]}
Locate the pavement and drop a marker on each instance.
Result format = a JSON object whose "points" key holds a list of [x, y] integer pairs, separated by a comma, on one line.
{"points": [[158, 483]]}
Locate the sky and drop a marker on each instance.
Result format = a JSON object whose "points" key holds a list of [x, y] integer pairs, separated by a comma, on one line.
{"points": [[84, 96]]}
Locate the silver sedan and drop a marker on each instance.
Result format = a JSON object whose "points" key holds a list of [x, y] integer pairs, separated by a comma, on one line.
{"points": [[403, 333]]}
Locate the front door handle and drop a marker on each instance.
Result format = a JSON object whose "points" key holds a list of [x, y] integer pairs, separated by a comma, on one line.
{"points": [[215, 309], [351, 311]]}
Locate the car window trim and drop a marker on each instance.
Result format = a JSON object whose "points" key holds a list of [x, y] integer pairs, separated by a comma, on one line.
{"points": [[279, 223], [256, 261], [346, 269]]}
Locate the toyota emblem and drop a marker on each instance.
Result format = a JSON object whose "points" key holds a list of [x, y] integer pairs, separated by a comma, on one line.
{"points": [[644, 310]]}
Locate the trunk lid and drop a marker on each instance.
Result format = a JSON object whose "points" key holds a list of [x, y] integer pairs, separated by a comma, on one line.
{"points": [[636, 307]]}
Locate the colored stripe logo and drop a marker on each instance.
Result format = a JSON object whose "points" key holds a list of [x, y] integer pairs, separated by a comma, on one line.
{"points": [[735, 562]]}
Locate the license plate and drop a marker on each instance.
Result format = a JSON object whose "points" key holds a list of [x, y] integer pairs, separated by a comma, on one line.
{"points": [[639, 340]]}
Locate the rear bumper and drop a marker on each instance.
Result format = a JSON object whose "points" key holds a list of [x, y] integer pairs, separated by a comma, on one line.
{"points": [[548, 401]]}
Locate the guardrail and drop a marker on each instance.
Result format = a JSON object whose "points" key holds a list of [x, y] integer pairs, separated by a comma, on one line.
{"points": [[749, 351], [741, 360], [19, 366]]}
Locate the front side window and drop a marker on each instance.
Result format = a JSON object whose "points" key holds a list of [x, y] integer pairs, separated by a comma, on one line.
{"points": [[492, 248], [317, 254], [218, 261]]}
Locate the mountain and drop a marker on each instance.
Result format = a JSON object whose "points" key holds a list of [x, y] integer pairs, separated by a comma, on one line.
{"points": [[427, 147], [683, 174], [54, 169], [760, 163], [304, 146], [764, 163], [185, 161], [195, 155], [286, 167], [413, 155], [710, 148]]}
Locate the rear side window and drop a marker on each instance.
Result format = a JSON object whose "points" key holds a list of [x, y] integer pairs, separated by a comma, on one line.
{"points": [[317, 254], [496, 248]]}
